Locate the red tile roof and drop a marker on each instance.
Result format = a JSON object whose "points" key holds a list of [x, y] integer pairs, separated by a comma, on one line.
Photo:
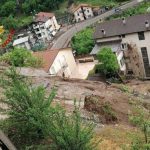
{"points": [[43, 16], [48, 57], [81, 5]]}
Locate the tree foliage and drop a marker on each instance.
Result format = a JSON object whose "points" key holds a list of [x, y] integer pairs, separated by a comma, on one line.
{"points": [[68, 132], [21, 57], [28, 108], [32, 118], [108, 61], [83, 42]]}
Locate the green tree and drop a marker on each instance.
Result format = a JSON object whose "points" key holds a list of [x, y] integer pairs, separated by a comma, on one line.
{"points": [[83, 42], [108, 61], [28, 109], [8, 8], [141, 119], [20, 57], [69, 132]]}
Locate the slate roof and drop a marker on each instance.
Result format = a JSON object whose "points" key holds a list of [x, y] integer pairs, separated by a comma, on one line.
{"points": [[43, 16], [116, 27]]}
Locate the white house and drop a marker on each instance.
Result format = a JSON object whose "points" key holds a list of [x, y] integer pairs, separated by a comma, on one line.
{"points": [[45, 26], [128, 37], [57, 62], [82, 12], [22, 42]]}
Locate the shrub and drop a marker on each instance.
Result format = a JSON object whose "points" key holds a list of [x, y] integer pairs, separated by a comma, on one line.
{"points": [[20, 57], [83, 42], [28, 109], [108, 61], [70, 133]]}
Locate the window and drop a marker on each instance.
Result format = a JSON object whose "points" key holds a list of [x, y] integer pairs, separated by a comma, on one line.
{"points": [[124, 46], [123, 36], [39, 35], [141, 36], [122, 62], [37, 29], [145, 61]]}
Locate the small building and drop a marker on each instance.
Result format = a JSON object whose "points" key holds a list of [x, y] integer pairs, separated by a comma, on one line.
{"points": [[82, 12], [59, 61], [22, 42], [129, 38], [45, 26]]}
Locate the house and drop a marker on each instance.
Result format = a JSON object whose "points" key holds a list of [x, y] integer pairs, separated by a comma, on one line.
{"points": [[45, 26], [82, 12], [57, 62], [129, 38], [22, 41]]}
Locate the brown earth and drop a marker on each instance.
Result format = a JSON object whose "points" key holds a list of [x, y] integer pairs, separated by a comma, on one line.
{"points": [[116, 96]]}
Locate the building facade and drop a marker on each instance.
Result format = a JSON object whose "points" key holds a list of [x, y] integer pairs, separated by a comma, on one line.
{"points": [[83, 12], [58, 62], [131, 37], [45, 26]]}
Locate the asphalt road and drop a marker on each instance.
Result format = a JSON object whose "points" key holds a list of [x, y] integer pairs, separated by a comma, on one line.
{"points": [[65, 38]]}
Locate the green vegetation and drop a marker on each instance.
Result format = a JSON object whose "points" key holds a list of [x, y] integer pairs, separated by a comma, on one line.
{"points": [[140, 118], [21, 57], [34, 123], [83, 42], [29, 109], [108, 61], [73, 133], [140, 9], [108, 111]]}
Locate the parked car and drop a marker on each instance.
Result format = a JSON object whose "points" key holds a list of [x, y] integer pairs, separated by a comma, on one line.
{"points": [[118, 10]]}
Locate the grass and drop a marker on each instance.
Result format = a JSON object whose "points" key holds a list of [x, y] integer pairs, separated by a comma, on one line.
{"points": [[117, 137], [140, 9], [98, 2]]}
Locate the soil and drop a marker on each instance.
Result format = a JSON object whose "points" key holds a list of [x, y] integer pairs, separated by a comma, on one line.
{"points": [[85, 91]]}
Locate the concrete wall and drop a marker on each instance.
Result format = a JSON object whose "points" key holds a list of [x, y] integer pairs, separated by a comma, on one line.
{"points": [[64, 58]]}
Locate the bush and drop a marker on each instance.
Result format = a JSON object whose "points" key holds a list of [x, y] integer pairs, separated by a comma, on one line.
{"points": [[83, 42], [28, 109], [108, 61], [20, 57], [32, 119], [70, 133]]}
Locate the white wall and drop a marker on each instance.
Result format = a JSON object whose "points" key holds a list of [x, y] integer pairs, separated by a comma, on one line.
{"points": [[119, 56], [80, 16], [64, 56], [88, 12]]}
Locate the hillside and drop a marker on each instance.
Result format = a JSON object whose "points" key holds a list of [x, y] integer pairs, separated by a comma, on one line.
{"points": [[100, 104], [17, 14]]}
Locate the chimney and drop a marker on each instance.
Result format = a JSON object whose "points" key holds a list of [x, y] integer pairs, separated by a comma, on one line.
{"points": [[147, 24], [124, 20], [104, 32]]}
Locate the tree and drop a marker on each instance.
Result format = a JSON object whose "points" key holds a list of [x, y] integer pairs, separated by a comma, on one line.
{"points": [[108, 61], [28, 109], [8, 8], [20, 57], [68, 132], [83, 42]]}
